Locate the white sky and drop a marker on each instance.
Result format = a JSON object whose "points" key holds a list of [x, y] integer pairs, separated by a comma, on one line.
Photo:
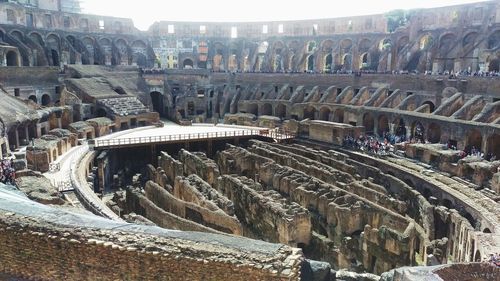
{"points": [[146, 12]]}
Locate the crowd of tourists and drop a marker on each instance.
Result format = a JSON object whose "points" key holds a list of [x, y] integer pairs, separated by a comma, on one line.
{"points": [[370, 144], [385, 145], [7, 172], [495, 259]]}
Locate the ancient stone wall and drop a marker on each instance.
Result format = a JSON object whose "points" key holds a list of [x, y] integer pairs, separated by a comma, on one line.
{"points": [[34, 249], [201, 214]]}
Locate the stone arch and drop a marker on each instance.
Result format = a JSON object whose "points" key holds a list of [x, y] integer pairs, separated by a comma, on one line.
{"points": [[53, 43], [17, 34], [402, 42], [253, 108], [311, 46], [46, 100], [446, 46], [324, 113], [72, 41], [139, 53], [88, 44], [469, 39], [327, 46], [278, 55], [426, 42], [309, 112], [327, 67], [218, 57], [364, 62], [347, 62], [12, 58], [418, 131], [310, 63], [187, 63], [431, 105], [477, 256], [383, 125], [486, 230], [494, 40], [385, 44], [434, 133], [338, 115], [266, 109], [494, 145], [494, 64], [446, 41], [280, 111], [345, 45], [364, 45], [474, 140], [400, 128], [368, 123], [37, 38], [33, 98], [157, 100], [121, 56], [263, 46]]}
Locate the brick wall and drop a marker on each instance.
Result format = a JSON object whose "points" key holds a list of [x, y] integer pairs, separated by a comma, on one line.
{"points": [[40, 253]]}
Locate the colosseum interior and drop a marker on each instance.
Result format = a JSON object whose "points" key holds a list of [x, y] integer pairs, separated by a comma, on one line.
{"points": [[336, 149]]}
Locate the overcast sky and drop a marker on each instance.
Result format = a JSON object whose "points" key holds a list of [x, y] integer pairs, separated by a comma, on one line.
{"points": [[146, 12]]}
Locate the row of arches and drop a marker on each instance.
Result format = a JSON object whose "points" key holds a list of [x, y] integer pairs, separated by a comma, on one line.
{"points": [[53, 49], [379, 124]]}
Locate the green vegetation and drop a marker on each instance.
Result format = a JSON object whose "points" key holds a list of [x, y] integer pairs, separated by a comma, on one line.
{"points": [[397, 18]]}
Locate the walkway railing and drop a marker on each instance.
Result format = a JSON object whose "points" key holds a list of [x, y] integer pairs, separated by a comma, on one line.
{"points": [[278, 135]]}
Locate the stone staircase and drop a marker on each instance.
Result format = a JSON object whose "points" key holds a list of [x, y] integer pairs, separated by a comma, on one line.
{"points": [[124, 106]]}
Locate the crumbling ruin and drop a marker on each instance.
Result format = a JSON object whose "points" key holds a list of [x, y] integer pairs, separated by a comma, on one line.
{"points": [[373, 148]]}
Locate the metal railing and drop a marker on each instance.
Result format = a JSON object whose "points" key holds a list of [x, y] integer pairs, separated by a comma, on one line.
{"points": [[280, 135]]}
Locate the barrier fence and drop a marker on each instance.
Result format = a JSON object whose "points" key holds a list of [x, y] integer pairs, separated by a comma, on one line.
{"points": [[275, 134]]}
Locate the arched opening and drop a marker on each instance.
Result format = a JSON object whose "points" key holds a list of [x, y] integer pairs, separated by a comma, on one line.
{"points": [[477, 256], [253, 109], [368, 123], [12, 58], [418, 132], [281, 111], [486, 230], [363, 61], [309, 112], [324, 114], [434, 133], [101, 112], [494, 40], [187, 64], [339, 116], [157, 100], [494, 65], [328, 63], [266, 109], [431, 106], [474, 141], [33, 98], [494, 146], [347, 62], [400, 130], [383, 125], [45, 100], [55, 57], [310, 63]]}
